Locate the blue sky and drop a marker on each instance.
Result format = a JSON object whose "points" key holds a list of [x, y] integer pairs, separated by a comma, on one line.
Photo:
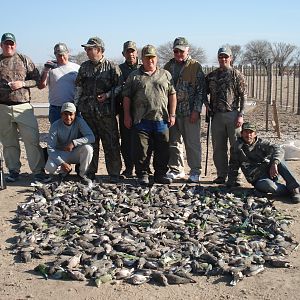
{"points": [[39, 25]]}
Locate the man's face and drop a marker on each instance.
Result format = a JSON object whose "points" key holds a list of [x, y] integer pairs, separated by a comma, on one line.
{"points": [[8, 48], [181, 55], [149, 63], [62, 59], [94, 53], [131, 56], [68, 117], [224, 61], [248, 136]]}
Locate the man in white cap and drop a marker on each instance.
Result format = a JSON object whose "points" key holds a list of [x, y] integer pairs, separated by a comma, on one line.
{"points": [[59, 76], [69, 143]]}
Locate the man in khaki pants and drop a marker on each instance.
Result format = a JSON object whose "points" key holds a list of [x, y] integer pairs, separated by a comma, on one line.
{"points": [[17, 75]]}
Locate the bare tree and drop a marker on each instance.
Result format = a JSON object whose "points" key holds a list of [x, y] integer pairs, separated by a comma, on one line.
{"points": [[79, 58], [283, 55], [258, 52], [165, 53], [236, 52]]}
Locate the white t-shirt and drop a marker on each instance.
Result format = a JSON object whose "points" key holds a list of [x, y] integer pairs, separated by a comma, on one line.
{"points": [[61, 83]]}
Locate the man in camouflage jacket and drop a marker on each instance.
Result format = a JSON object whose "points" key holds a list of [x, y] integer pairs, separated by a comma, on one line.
{"points": [[261, 163], [189, 82], [17, 75], [98, 83], [227, 89]]}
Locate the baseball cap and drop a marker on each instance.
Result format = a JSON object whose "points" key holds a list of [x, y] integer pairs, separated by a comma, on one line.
{"points": [[180, 43], [248, 126], [94, 42], [149, 50], [60, 49], [68, 106], [8, 37], [129, 45], [225, 50]]}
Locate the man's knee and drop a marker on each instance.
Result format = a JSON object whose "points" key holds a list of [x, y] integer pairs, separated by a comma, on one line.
{"points": [[50, 167]]}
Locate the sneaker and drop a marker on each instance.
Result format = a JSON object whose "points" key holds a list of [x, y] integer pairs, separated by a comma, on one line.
{"points": [[85, 180], [114, 178], [162, 179], [143, 180], [175, 175], [42, 177], [194, 178], [295, 195], [12, 177], [219, 180]]}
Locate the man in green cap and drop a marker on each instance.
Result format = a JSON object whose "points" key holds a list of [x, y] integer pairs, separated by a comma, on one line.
{"points": [[262, 163], [17, 75], [97, 84], [149, 108]]}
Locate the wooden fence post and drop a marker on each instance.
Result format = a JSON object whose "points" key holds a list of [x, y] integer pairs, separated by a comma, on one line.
{"points": [[298, 106], [269, 92]]}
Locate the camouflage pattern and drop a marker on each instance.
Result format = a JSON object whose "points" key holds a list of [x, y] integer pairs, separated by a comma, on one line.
{"points": [[227, 89], [254, 160], [95, 79], [149, 94], [189, 84], [17, 67], [126, 69], [106, 129]]}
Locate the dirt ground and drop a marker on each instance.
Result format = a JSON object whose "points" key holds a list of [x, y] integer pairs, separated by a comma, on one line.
{"points": [[18, 281]]}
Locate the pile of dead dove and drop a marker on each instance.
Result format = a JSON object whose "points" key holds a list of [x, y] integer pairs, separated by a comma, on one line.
{"points": [[159, 234]]}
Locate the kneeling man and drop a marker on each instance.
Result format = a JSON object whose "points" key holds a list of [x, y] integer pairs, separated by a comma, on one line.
{"points": [[69, 143], [262, 163]]}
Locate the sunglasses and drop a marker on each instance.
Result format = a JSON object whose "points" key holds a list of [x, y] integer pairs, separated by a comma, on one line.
{"points": [[223, 56], [176, 51]]}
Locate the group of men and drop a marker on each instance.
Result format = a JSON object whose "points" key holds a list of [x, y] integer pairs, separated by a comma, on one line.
{"points": [[159, 114]]}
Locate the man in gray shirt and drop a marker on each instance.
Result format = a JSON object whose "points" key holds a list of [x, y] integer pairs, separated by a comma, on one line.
{"points": [[69, 143]]}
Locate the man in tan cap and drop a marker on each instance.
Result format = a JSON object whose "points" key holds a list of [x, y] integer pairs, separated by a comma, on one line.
{"points": [[149, 108]]}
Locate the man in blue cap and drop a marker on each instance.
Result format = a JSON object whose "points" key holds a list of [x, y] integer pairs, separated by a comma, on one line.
{"points": [[17, 75]]}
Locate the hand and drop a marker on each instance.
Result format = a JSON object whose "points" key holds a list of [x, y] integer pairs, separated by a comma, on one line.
{"points": [[171, 120], [128, 121], [102, 97], [194, 117], [66, 167], [273, 171], [239, 121], [15, 85], [69, 147]]}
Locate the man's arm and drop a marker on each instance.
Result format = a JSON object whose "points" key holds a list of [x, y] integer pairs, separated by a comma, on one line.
{"points": [[44, 78], [172, 109], [127, 114], [86, 133]]}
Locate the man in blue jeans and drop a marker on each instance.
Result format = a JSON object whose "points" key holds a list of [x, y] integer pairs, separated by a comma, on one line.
{"points": [[262, 163]]}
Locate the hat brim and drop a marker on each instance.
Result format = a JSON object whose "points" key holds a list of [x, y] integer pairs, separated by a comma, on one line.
{"points": [[224, 53], [135, 49], [8, 39], [61, 52], [180, 47], [148, 55], [89, 45]]}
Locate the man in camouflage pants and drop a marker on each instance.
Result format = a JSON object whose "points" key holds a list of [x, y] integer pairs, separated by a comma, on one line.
{"points": [[17, 75], [227, 89], [189, 81], [98, 82], [149, 107]]}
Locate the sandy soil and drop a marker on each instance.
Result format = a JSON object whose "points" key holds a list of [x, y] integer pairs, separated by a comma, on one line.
{"points": [[18, 281]]}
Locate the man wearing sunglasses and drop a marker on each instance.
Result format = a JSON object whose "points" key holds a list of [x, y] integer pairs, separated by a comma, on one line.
{"points": [[189, 82], [17, 75], [227, 89]]}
